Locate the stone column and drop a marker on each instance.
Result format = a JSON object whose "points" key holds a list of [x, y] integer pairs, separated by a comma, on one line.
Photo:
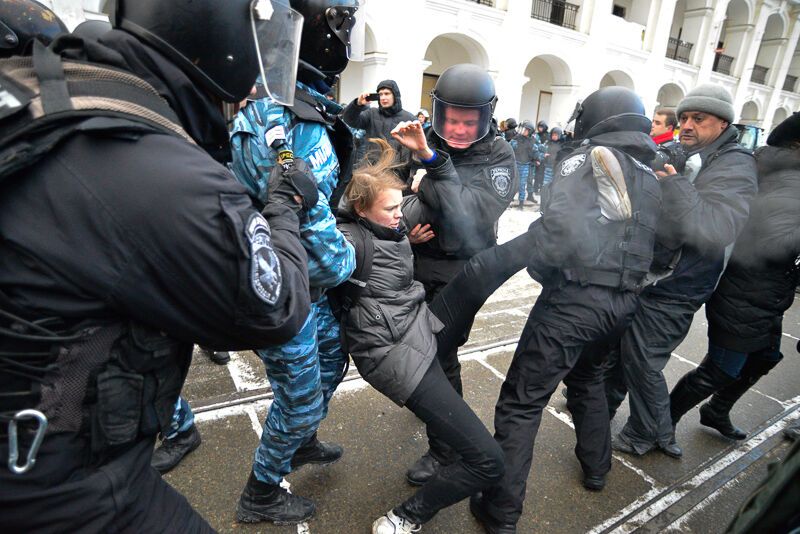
{"points": [[782, 65], [744, 65]]}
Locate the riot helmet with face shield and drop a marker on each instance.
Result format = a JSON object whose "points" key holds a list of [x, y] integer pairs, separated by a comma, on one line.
{"points": [[222, 46], [333, 33], [21, 21], [463, 104]]}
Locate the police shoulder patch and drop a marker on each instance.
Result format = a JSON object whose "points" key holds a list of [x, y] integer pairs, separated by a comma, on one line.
{"points": [[570, 165], [501, 180], [265, 269]]}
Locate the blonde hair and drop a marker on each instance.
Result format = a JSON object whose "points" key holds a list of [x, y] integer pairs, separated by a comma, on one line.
{"points": [[371, 179]]}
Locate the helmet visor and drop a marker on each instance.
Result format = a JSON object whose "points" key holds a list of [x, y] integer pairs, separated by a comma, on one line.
{"points": [[276, 30], [460, 126], [348, 20]]}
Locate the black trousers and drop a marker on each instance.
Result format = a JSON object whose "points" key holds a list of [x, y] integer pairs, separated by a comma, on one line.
{"points": [[456, 290], [123, 495], [476, 460], [636, 368], [480, 462], [567, 336]]}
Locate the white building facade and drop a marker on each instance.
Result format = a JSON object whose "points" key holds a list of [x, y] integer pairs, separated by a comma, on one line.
{"points": [[545, 55]]}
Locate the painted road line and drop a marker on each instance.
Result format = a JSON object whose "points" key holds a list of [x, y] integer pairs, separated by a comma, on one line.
{"points": [[748, 452]]}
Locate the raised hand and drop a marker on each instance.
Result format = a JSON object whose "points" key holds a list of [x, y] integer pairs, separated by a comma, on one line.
{"points": [[411, 135]]}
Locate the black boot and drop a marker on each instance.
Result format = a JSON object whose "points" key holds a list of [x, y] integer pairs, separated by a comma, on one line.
{"points": [[171, 451], [696, 386], [220, 358], [270, 502], [716, 412], [317, 452], [422, 470]]}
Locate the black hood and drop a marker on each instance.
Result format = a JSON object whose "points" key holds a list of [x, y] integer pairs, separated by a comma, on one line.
{"points": [[395, 108], [771, 159], [198, 112]]}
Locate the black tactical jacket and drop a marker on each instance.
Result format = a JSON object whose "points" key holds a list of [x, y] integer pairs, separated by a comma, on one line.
{"points": [[488, 182], [151, 229]]}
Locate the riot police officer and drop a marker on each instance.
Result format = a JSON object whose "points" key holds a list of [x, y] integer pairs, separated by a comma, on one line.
{"points": [[461, 125], [593, 246], [305, 371], [123, 243]]}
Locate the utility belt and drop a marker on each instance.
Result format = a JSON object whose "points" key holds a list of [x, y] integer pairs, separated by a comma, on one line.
{"points": [[112, 384], [621, 280]]}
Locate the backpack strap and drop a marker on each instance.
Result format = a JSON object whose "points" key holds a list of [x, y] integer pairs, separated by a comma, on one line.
{"points": [[51, 98], [350, 292]]}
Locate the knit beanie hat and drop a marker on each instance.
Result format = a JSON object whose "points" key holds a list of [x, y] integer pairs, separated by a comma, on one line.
{"points": [[709, 98]]}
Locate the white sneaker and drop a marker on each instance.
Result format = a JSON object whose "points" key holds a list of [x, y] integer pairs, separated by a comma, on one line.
{"points": [[391, 523]]}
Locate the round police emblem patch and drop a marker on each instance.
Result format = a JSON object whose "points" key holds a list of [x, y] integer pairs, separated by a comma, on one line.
{"points": [[572, 164], [501, 180], [265, 270]]}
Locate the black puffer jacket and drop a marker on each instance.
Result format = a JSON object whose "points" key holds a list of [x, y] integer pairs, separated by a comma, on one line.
{"points": [[378, 122], [390, 332], [746, 310]]}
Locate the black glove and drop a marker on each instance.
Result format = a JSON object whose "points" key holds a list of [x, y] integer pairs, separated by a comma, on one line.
{"points": [[296, 179]]}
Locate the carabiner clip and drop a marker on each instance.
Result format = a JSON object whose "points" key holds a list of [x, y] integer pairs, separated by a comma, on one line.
{"points": [[13, 445]]}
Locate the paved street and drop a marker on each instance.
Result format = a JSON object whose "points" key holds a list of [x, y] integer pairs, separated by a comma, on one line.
{"points": [[698, 493]]}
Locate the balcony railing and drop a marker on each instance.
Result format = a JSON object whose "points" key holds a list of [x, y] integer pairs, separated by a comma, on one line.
{"points": [[679, 50], [759, 74], [555, 12], [722, 64], [790, 83]]}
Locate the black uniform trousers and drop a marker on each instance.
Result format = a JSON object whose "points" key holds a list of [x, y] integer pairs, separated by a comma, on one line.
{"points": [[124, 494], [636, 368], [566, 337]]}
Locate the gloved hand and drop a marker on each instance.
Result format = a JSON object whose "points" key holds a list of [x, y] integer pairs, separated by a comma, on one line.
{"points": [[293, 185]]}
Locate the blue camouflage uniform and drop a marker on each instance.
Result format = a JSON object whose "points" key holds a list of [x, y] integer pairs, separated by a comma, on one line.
{"points": [[305, 372]]}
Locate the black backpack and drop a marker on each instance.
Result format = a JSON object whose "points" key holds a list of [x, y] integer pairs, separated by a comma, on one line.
{"points": [[343, 297], [45, 98]]}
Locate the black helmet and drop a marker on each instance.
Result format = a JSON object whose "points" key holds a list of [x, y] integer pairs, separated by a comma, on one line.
{"points": [[610, 109], [333, 33], [92, 29], [511, 123], [23, 20], [221, 45], [528, 125], [463, 89]]}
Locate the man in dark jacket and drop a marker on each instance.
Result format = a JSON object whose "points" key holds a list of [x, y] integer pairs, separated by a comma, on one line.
{"points": [[463, 102], [510, 129], [591, 249], [380, 121], [745, 313], [705, 208], [157, 247], [526, 153], [542, 136]]}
